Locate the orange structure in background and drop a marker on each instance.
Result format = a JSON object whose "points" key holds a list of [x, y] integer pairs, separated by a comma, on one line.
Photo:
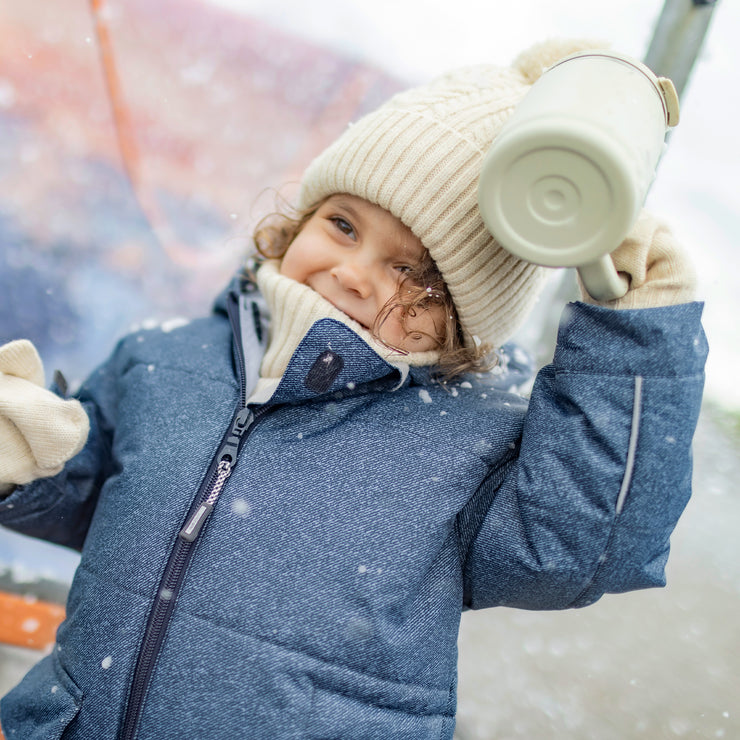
{"points": [[28, 623]]}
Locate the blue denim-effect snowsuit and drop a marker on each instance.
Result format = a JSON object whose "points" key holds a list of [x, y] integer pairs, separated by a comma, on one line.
{"points": [[320, 597]]}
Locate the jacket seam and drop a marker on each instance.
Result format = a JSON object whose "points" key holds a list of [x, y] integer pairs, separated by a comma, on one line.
{"points": [[273, 643], [178, 369], [600, 374], [502, 468]]}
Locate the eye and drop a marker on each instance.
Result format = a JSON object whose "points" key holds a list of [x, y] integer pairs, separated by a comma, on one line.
{"points": [[344, 226], [409, 274]]}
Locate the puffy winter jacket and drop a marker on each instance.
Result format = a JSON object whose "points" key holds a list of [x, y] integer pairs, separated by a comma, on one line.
{"points": [[298, 569]]}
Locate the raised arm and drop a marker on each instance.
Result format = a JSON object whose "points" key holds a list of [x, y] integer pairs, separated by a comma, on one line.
{"points": [[604, 468]]}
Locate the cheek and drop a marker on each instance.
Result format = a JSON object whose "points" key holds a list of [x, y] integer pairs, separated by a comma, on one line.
{"points": [[429, 324], [295, 262], [434, 325], [430, 321]]}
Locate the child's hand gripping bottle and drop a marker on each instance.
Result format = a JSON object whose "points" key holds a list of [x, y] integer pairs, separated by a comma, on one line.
{"points": [[564, 181]]}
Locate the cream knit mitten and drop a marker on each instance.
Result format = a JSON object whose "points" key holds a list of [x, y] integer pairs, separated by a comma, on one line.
{"points": [[659, 271], [39, 431]]}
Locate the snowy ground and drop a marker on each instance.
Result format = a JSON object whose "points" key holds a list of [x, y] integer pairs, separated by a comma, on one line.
{"points": [[657, 664]]}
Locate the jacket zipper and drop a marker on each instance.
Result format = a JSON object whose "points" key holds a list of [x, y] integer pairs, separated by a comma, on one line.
{"points": [[171, 582]]}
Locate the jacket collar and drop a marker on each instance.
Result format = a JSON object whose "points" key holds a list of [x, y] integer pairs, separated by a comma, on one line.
{"points": [[331, 359]]}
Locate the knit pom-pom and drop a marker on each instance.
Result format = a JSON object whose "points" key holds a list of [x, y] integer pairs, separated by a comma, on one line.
{"points": [[535, 60]]}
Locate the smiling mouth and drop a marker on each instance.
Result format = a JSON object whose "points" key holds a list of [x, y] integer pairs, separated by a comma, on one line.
{"points": [[346, 313], [342, 309]]}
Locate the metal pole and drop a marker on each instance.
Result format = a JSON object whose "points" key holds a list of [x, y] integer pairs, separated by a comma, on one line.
{"points": [[678, 38]]}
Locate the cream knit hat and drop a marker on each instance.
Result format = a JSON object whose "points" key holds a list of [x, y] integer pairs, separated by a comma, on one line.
{"points": [[419, 156]]}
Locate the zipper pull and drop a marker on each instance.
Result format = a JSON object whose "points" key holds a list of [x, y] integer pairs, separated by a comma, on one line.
{"points": [[192, 528], [227, 456]]}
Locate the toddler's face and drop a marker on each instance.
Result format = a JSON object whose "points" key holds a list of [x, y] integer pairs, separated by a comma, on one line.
{"points": [[355, 255]]}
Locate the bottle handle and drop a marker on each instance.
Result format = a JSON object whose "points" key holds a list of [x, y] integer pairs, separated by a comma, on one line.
{"points": [[602, 281]]}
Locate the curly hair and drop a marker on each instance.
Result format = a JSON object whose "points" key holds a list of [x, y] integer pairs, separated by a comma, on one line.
{"points": [[420, 288]]}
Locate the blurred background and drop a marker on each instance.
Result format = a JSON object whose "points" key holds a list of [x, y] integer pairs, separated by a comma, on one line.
{"points": [[221, 104]]}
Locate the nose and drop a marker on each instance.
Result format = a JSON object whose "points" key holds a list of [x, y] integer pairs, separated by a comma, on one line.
{"points": [[354, 277]]}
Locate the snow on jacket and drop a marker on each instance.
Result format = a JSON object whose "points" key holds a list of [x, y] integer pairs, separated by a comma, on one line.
{"points": [[320, 596]]}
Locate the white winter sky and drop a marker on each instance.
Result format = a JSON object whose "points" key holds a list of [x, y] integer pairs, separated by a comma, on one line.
{"points": [[696, 188]]}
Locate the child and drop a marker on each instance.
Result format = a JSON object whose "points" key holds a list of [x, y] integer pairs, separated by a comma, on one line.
{"points": [[282, 518]]}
